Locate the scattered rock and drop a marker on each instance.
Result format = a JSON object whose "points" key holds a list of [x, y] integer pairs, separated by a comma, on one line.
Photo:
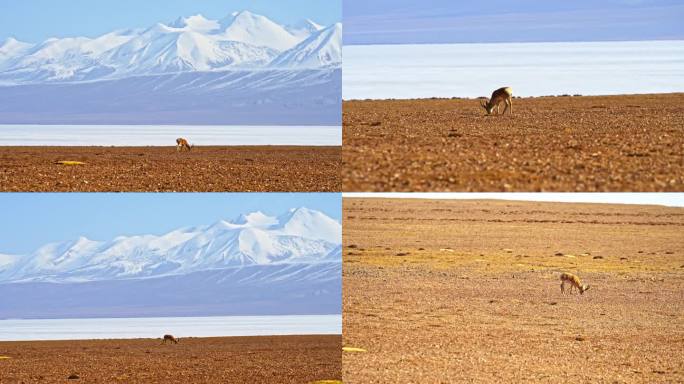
{"points": [[352, 246], [402, 254], [73, 376], [558, 254], [597, 257], [573, 144], [69, 162], [579, 338], [353, 349]]}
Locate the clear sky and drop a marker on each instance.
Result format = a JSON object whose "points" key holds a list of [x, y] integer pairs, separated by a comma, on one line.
{"points": [[449, 21], [34, 219], [36, 20], [666, 199]]}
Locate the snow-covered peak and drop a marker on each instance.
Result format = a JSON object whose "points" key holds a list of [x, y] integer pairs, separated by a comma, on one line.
{"points": [[250, 28], [304, 28], [11, 45], [322, 49], [197, 23], [11, 49], [7, 260], [256, 219], [310, 224]]}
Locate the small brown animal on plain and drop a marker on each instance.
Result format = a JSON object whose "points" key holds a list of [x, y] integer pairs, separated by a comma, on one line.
{"points": [[574, 282], [169, 338], [182, 143], [505, 95]]}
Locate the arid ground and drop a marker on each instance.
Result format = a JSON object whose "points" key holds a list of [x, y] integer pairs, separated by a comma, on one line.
{"points": [[272, 359], [152, 169], [469, 291], [611, 143]]}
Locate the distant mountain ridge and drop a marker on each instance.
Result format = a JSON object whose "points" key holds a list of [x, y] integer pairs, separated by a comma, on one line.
{"points": [[254, 264], [243, 69], [299, 236], [188, 44]]}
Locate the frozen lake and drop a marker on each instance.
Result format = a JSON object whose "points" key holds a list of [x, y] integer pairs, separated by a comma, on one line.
{"points": [[165, 135], [531, 69], [153, 327]]}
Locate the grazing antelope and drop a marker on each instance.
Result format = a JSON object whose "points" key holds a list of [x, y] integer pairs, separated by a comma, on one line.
{"points": [[169, 338], [504, 94], [181, 143], [574, 282]]}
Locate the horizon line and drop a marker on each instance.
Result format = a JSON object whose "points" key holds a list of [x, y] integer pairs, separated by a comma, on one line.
{"points": [[605, 198]]}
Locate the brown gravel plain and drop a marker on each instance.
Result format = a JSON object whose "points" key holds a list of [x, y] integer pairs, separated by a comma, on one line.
{"points": [[469, 291], [271, 359], [162, 169], [607, 143]]}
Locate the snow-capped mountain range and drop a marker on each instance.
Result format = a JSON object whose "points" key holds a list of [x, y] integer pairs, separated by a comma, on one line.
{"points": [[243, 69], [295, 240], [242, 40]]}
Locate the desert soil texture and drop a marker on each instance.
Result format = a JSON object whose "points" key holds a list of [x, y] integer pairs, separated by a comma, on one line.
{"points": [[162, 169], [573, 143], [272, 359], [469, 291]]}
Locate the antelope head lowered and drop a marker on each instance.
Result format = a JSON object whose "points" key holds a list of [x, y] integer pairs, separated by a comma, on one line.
{"points": [[182, 144], [574, 282], [170, 338], [505, 95]]}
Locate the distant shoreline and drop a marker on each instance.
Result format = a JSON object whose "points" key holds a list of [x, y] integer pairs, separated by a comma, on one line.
{"points": [[133, 328], [513, 42], [254, 337], [521, 97]]}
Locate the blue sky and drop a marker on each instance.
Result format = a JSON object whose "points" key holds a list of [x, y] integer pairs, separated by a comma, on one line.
{"points": [[32, 220], [36, 20], [449, 21]]}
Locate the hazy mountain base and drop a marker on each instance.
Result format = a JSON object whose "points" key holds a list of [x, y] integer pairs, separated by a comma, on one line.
{"points": [[306, 289], [259, 97]]}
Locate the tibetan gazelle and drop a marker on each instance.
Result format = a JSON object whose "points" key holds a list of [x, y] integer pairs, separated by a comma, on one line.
{"points": [[505, 95], [574, 282], [181, 144], [169, 338]]}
